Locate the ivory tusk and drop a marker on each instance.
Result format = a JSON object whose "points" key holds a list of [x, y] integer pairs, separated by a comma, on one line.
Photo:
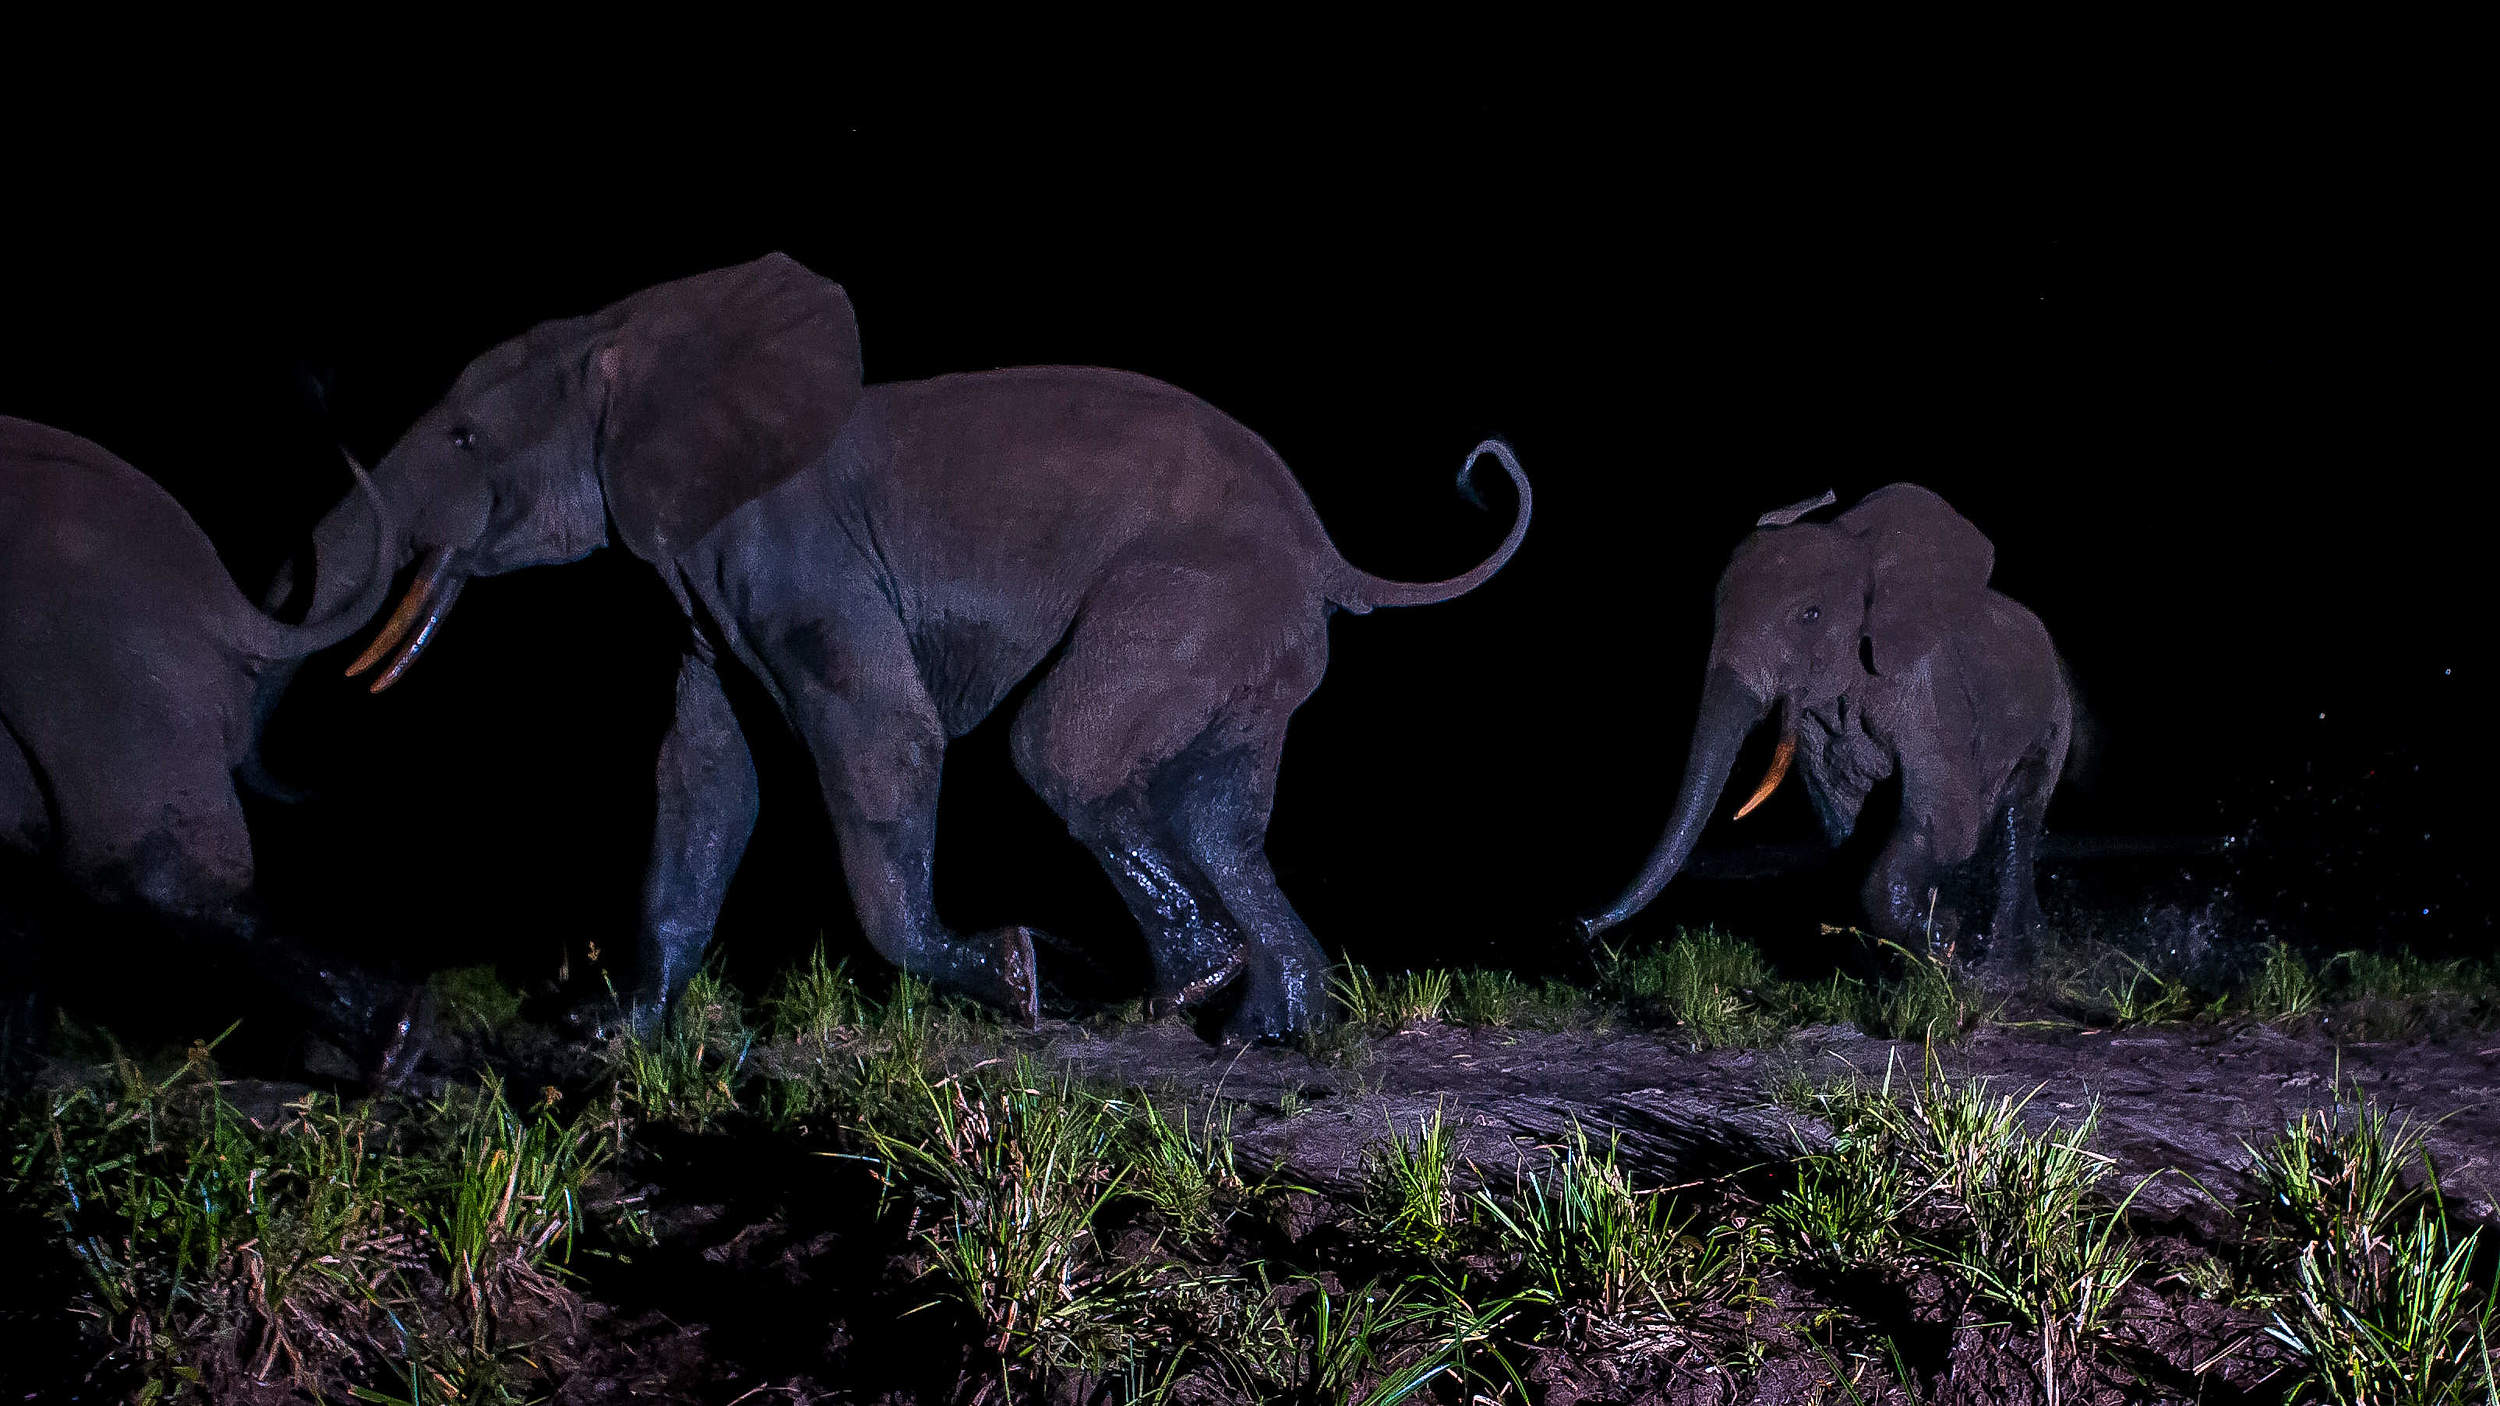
{"points": [[1771, 782], [424, 634], [412, 607]]}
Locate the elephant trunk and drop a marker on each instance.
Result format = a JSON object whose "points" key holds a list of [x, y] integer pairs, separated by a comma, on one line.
{"points": [[1729, 710], [351, 599]]}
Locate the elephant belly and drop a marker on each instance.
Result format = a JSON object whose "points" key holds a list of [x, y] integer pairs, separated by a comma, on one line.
{"points": [[969, 664]]}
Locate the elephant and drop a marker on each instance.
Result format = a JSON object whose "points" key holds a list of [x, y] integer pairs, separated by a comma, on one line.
{"points": [[128, 662], [891, 563], [1876, 638]]}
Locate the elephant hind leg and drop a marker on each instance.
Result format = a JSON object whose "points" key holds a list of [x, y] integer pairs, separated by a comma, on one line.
{"points": [[1156, 735], [2021, 812]]}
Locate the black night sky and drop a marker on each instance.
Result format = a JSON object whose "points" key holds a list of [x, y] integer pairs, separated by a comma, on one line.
{"points": [[2205, 383]]}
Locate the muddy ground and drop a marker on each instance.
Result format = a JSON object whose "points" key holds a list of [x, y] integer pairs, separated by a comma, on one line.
{"points": [[768, 1284]]}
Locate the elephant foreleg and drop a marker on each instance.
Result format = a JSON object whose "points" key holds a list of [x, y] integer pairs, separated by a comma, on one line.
{"points": [[854, 693], [707, 807], [1901, 894]]}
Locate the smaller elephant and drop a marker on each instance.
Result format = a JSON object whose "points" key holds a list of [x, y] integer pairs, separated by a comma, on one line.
{"points": [[128, 667], [1876, 638]]}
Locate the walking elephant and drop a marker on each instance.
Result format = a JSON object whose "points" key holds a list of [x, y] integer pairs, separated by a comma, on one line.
{"points": [[890, 562], [128, 662], [1877, 640]]}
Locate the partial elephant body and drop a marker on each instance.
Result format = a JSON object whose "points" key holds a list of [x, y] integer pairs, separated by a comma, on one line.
{"points": [[1155, 559], [891, 562], [128, 663], [1878, 641]]}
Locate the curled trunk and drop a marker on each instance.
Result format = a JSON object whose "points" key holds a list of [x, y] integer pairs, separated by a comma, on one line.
{"points": [[351, 597]]}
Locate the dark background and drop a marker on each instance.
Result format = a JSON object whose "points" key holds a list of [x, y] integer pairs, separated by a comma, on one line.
{"points": [[2208, 377]]}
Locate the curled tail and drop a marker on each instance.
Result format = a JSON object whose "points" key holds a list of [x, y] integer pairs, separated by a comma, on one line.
{"points": [[1360, 591]]}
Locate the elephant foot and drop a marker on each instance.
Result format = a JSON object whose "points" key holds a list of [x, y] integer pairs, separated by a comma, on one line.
{"points": [[600, 1019], [1005, 974], [1186, 990], [1276, 1013], [403, 1043]]}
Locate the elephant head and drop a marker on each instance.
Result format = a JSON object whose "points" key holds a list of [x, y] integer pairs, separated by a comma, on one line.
{"points": [[645, 423], [1813, 617]]}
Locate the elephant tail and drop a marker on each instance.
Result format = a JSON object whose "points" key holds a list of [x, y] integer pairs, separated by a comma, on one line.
{"points": [[275, 640], [1360, 591]]}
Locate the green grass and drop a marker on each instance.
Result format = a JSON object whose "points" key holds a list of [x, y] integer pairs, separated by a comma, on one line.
{"points": [[2286, 986], [1017, 1168], [507, 1199], [1183, 1167], [1715, 988], [1956, 1175], [1621, 1268], [817, 1002], [2143, 996], [1303, 1343], [2371, 1288], [1404, 1001], [1410, 1198], [688, 1074], [1491, 999], [323, 1245]]}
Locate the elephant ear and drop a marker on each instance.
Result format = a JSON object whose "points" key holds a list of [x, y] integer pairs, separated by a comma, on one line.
{"points": [[1920, 556], [718, 387], [1784, 517]]}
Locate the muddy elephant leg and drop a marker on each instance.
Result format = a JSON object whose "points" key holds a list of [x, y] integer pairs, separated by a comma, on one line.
{"points": [[178, 850], [1168, 707], [707, 805], [1191, 938], [854, 694], [1901, 890], [2020, 814], [1286, 991]]}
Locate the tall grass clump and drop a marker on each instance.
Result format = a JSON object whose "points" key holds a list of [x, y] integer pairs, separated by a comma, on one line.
{"points": [[1410, 1198], [1955, 1175], [1715, 987], [2034, 1234], [319, 1244], [687, 1074], [1622, 1268], [2286, 987], [1181, 1165], [504, 1208], [2376, 1295], [1016, 1169], [1924, 1000], [1389, 1004], [817, 1002], [1493, 999], [186, 1218]]}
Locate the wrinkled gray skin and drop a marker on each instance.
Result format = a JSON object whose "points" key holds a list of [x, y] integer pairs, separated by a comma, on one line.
{"points": [[128, 663], [890, 562], [1877, 640]]}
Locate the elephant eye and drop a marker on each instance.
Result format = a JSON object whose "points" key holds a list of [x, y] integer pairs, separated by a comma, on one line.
{"points": [[1810, 614], [463, 438]]}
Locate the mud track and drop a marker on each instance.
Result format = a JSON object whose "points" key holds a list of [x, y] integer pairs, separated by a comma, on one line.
{"points": [[2178, 1099]]}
